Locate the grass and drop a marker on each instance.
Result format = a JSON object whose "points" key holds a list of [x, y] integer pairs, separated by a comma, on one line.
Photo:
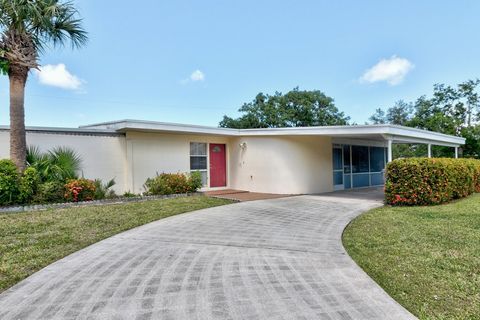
{"points": [[426, 258], [30, 241]]}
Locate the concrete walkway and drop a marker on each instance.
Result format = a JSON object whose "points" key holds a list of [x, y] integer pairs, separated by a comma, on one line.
{"points": [[269, 259]]}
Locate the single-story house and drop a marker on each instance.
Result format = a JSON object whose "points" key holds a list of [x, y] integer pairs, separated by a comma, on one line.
{"points": [[273, 160]]}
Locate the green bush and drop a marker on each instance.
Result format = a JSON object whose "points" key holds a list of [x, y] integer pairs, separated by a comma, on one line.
{"points": [[50, 192], [173, 183], [9, 179], [425, 181], [80, 190], [28, 185]]}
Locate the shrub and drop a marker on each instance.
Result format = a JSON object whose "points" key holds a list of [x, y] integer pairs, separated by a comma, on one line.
{"points": [[8, 182], [424, 181], [476, 176], [50, 192], [103, 190], [173, 183], [28, 185], [195, 181], [80, 190]]}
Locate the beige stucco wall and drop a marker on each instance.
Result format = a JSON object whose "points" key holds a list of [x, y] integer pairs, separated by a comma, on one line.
{"points": [[149, 153], [103, 157], [289, 165]]}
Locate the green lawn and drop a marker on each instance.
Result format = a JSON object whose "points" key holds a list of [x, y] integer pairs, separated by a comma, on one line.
{"points": [[426, 258], [33, 240]]}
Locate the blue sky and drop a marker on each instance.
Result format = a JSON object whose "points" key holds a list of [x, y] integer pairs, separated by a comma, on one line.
{"points": [[194, 61]]}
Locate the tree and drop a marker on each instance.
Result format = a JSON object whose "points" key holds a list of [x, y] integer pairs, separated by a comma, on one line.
{"points": [[27, 27], [450, 110], [294, 109], [467, 91], [400, 113], [378, 117]]}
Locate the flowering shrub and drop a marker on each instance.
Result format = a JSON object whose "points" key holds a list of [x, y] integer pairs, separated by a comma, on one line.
{"points": [[80, 190], [424, 181], [173, 183]]}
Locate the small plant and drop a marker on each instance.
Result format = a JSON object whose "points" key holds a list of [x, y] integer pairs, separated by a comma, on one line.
{"points": [[104, 190], [129, 194], [9, 179], [80, 190], [173, 183]]}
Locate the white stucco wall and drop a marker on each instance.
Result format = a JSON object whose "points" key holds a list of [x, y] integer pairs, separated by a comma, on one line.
{"points": [[103, 157], [288, 165], [149, 153]]}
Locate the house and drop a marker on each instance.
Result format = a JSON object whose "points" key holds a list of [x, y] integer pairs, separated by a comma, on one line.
{"points": [[274, 160]]}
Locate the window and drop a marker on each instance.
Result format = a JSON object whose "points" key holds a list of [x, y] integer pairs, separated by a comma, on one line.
{"points": [[198, 159], [360, 159]]}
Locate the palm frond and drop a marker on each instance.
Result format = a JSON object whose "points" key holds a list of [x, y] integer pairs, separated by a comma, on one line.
{"points": [[43, 21], [66, 163]]}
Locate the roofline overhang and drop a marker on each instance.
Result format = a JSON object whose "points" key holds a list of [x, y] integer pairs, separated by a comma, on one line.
{"points": [[399, 134]]}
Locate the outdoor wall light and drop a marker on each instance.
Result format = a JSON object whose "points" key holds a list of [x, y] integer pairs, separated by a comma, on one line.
{"points": [[243, 145]]}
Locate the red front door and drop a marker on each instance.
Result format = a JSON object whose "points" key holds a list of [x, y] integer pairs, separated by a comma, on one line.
{"points": [[218, 163]]}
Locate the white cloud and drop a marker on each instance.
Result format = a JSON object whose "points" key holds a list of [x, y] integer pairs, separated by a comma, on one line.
{"points": [[57, 75], [392, 70], [197, 75]]}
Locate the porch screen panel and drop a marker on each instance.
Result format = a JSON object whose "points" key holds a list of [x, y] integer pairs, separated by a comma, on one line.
{"points": [[360, 162], [377, 159], [361, 180]]}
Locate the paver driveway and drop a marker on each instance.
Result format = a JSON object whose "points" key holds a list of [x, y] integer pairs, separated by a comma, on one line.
{"points": [[269, 259]]}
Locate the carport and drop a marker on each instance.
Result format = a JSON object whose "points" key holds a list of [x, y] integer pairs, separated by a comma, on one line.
{"points": [[360, 153]]}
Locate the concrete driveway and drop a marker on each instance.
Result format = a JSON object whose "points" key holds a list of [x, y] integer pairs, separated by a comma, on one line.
{"points": [[269, 259]]}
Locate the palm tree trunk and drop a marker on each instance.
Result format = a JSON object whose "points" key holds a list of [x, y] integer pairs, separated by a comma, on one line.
{"points": [[18, 144]]}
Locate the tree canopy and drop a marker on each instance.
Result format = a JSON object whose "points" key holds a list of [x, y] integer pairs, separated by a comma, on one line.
{"points": [[453, 110], [296, 108]]}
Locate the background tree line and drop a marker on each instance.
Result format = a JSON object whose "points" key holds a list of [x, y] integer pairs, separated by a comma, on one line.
{"points": [[450, 110]]}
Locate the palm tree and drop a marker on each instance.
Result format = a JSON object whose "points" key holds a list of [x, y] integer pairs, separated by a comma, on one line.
{"points": [[27, 27]]}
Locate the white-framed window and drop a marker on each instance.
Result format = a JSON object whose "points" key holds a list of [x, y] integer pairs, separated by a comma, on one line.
{"points": [[199, 159]]}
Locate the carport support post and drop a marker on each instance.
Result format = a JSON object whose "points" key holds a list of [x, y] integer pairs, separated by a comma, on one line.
{"points": [[429, 150], [390, 154], [456, 152]]}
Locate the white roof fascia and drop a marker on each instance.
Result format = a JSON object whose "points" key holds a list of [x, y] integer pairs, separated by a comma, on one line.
{"points": [[60, 130], [125, 125]]}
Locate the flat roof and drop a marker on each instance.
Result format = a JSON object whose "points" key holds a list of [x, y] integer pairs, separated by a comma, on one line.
{"points": [[398, 134]]}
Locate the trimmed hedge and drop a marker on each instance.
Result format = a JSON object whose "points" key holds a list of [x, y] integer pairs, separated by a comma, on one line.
{"points": [[427, 181]]}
